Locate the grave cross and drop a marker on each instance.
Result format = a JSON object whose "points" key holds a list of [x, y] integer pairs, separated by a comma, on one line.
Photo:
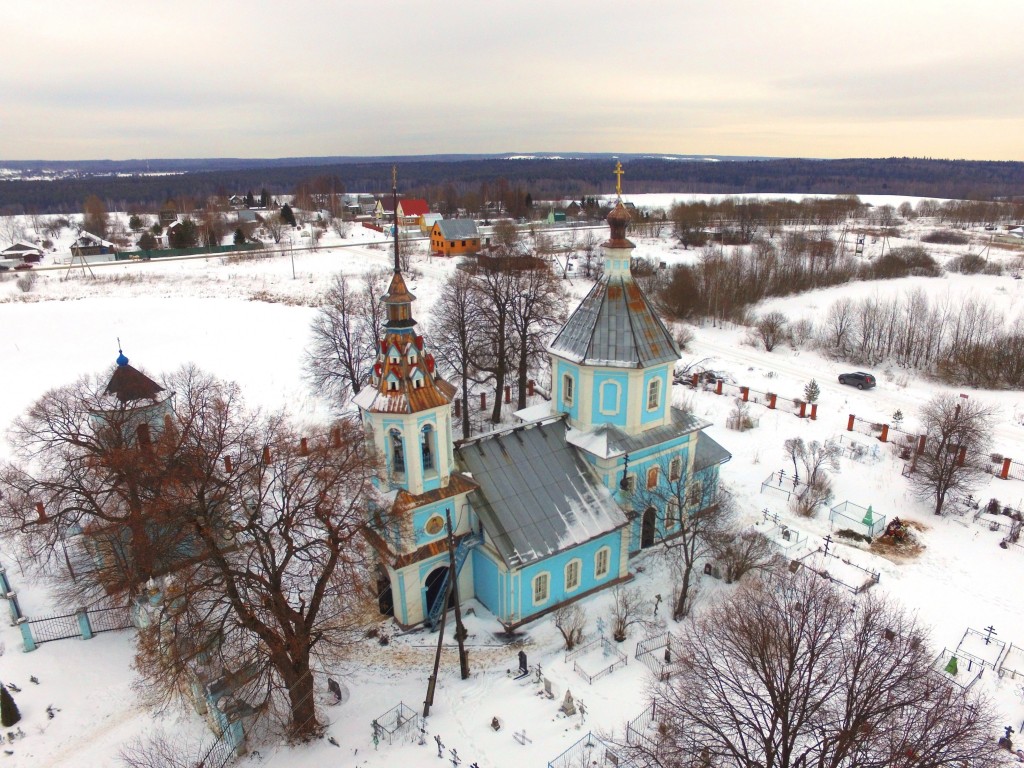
{"points": [[440, 745], [455, 757], [990, 630], [423, 731], [828, 543]]}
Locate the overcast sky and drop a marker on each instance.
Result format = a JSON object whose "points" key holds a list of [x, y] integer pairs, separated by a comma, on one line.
{"points": [[118, 79]]}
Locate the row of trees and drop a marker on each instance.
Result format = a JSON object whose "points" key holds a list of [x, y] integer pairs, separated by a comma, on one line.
{"points": [[251, 534]]}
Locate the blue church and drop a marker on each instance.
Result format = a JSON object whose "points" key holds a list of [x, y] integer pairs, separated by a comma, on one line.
{"points": [[542, 513]]}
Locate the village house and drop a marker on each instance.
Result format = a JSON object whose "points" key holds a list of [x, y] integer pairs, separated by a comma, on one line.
{"points": [[454, 237]]}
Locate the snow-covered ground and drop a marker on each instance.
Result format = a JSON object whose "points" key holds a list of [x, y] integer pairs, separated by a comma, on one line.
{"points": [[248, 321]]}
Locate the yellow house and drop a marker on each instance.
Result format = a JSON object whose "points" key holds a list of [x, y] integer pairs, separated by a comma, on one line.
{"points": [[451, 237]]}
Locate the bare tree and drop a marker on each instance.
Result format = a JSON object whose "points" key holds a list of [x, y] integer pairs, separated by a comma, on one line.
{"points": [[813, 457], [344, 333], [275, 226], [456, 332], [692, 522], [957, 435], [743, 552], [570, 620], [771, 329], [537, 309], [628, 608], [95, 218], [790, 673], [283, 576]]}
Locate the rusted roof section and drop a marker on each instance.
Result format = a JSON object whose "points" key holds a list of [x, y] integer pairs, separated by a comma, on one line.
{"points": [[129, 384], [389, 555], [457, 484], [618, 220], [398, 292], [615, 325], [401, 386]]}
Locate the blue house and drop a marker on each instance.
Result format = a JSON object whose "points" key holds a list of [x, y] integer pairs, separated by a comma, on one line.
{"points": [[551, 510]]}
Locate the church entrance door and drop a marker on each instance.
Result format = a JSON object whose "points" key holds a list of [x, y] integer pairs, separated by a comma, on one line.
{"points": [[648, 528], [385, 599], [434, 582]]}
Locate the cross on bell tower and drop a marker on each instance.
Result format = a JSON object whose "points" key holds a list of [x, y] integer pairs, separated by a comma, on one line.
{"points": [[618, 178]]}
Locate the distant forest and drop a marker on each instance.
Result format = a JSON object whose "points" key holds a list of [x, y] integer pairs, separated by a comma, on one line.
{"points": [[541, 178]]}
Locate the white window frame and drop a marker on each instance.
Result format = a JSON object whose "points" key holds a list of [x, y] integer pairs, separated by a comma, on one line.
{"points": [[672, 512], [654, 388], [603, 399], [675, 468], [545, 579], [607, 553], [568, 388], [573, 566]]}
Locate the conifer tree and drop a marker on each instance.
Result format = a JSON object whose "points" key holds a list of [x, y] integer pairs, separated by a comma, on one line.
{"points": [[9, 713], [287, 216], [812, 391], [239, 237]]}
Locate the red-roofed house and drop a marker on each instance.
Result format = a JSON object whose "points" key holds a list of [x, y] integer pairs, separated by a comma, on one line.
{"points": [[411, 211]]}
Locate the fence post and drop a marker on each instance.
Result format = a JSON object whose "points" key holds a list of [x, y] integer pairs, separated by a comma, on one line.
{"points": [[885, 433], [529, 387], [1004, 474], [849, 423], [458, 407], [814, 411], [745, 392], [12, 603], [803, 409], [694, 380], [5, 585], [920, 445], [508, 394], [83, 623], [962, 456], [26, 634], [771, 401]]}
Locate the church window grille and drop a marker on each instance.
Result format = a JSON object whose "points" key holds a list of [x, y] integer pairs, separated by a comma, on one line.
{"points": [[397, 452], [653, 394], [427, 448], [602, 561], [671, 514], [541, 588], [675, 468], [567, 389], [572, 575], [695, 494]]}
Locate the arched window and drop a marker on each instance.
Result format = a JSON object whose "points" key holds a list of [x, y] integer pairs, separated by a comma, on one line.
{"points": [[541, 588], [427, 448], [602, 562], [572, 575], [567, 389], [671, 514], [675, 468], [653, 394], [397, 452], [652, 478]]}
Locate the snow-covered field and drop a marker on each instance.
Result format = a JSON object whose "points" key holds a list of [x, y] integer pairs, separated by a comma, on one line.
{"points": [[248, 321]]}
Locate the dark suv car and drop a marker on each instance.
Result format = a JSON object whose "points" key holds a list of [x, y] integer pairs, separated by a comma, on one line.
{"points": [[860, 380]]}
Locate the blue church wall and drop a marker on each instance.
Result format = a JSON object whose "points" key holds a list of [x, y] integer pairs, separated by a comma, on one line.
{"points": [[664, 394], [555, 568], [402, 611], [611, 394], [431, 478], [456, 505], [561, 406], [487, 582]]}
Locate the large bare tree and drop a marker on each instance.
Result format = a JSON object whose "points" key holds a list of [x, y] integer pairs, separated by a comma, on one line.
{"points": [[790, 673], [957, 436]]}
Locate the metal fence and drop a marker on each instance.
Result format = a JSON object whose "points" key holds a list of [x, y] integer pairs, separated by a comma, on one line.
{"points": [[46, 629], [620, 659], [655, 653], [398, 723], [857, 518], [588, 752], [218, 755], [109, 619]]}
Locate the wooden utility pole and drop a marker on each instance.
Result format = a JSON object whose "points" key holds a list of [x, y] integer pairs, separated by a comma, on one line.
{"points": [[432, 683], [453, 580]]}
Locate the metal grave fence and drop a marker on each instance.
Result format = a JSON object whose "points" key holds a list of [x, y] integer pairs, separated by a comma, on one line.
{"points": [[857, 518], [110, 619], [397, 724], [46, 629], [655, 653], [218, 755], [610, 651], [588, 752]]}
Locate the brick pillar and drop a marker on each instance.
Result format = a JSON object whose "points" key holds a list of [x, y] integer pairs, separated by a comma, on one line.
{"points": [[303, 447], [508, 394], [885, 433], [266, 454], [41, 512], [920, 445], [849, 423], [961, 457], [803, 410], [143, 434], [227, 464], [529, 387], [718, 387], [1005, 473], [814, 411], [458, 408], [745, 393], [771, 401], [336, 437], [483, 401], [694, 380]]}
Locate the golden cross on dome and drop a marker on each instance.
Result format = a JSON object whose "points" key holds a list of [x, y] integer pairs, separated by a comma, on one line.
{"points": [[618, 178]]}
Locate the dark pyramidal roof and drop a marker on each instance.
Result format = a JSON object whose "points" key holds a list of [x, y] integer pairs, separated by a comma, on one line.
{"points": [[129, 384]]}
